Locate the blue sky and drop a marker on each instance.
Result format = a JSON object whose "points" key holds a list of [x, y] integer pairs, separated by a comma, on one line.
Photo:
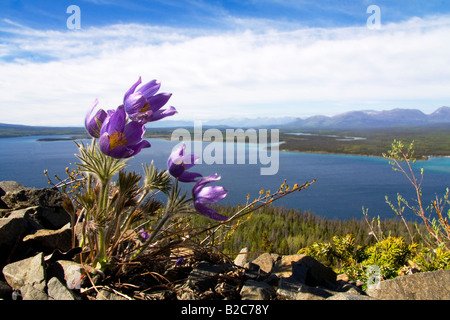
{"points": [[45, 14], [223, 59]]}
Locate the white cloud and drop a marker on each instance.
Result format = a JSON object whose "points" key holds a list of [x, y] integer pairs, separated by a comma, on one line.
{"points": [[56, 75]]}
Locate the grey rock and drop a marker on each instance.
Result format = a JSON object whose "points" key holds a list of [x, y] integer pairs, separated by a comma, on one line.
{"points": [[59, 291], [291, 289], [348, 288], [305, 269], [204, 275], [28, 272], [242, 258], [52, 218], [418, 286], [349, 296], [288, 288], [308, 296], [254, 272], [29, 292], [255, 290], [47, 240], [28, 197], [11, 232], [48, 202], [272, 279], [265, 262], [8, 187], [28, 214], [71, 273]]}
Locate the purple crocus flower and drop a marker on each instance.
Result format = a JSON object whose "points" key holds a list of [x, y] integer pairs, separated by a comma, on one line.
{"points": [[144, 234], [94, 124], [206, 195], [179, 261], [144, 105], [120, 139], [179, 163]]}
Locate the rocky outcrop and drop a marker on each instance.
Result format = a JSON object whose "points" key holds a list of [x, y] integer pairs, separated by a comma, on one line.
{"points": [[31, 221], [27, 276], [418, 286], [304, 269], [46, 204]]}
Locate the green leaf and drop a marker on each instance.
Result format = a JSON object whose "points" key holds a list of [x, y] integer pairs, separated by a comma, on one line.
{"points": [[156, 180]]}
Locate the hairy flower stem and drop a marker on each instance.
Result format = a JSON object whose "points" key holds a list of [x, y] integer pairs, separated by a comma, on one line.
{"points": [[101, 250], [102, 210]]}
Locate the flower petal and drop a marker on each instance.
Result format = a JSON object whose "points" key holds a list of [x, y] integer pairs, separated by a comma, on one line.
{"points": [[177, 154], [201, 183], [187, 176], [120, 152], [133, 132], [131, 90], [176, 170], [160, 114], [138, 147], [212, 194], [94, 124], [149, 89], [209, 212], [134, 103], [158, 101], [190, 160], [88, 116], [115, 121], [104, 144]]}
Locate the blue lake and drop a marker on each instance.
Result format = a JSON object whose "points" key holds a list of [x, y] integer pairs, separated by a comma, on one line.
{"points": [[344, 183]]}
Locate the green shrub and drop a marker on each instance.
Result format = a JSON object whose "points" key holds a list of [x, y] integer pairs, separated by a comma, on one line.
{"points": [[392, 257]]}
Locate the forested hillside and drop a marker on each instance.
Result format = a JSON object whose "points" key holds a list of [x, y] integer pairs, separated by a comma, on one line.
{"points": [[285, 231]]}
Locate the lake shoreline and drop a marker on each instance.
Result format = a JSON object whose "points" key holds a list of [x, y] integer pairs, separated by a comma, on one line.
{"points": [[424, 158]]}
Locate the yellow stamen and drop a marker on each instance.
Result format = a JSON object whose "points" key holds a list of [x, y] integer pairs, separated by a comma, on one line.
{"points": [[146, 107], [117, 139]]}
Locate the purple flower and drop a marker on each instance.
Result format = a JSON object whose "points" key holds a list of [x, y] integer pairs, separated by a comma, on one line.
{"points": [[143, 105], [94, 124], [179, 163], [144, 234], [206, 195], [179, 261], [120, 139]]}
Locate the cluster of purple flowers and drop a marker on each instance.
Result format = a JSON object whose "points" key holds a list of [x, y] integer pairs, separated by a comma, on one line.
{"points": [[178, 164], [120, 133], [119, 137]]}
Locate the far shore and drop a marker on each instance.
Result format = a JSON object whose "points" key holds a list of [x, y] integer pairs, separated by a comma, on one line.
{"points": [[424, 158]]}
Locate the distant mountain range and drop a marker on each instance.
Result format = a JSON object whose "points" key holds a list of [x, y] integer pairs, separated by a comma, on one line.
{"points": [[347, 120], [374, 119]]}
